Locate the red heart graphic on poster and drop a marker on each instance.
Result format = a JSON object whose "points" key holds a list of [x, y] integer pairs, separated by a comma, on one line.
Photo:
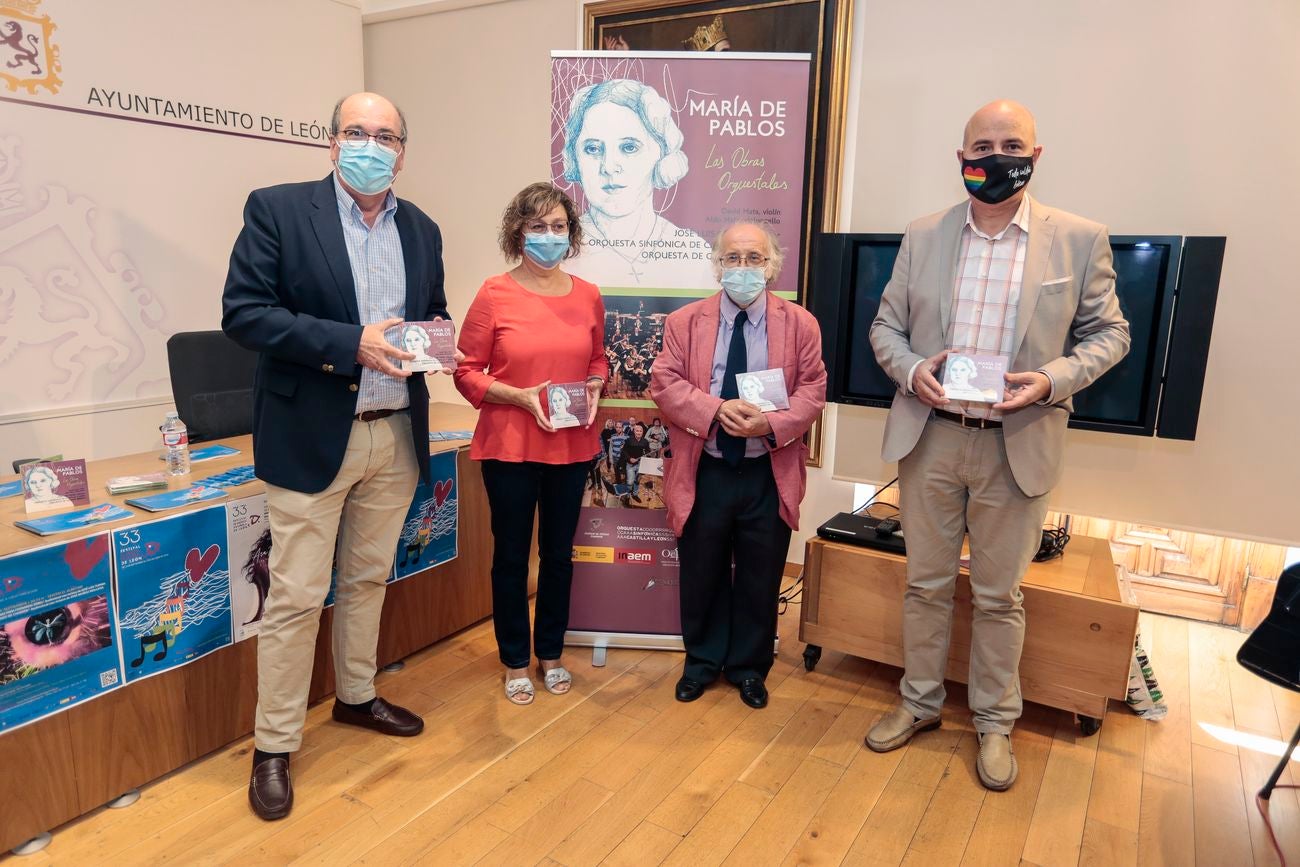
{"points": [[151, 548], [198, 565], [84, 554], [441, 491]]}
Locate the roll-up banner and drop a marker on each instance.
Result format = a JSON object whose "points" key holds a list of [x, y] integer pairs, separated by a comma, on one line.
{"points": [[661, 151]]}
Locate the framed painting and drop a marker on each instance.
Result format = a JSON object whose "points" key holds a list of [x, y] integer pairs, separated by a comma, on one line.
{"points": [[820, 28]]}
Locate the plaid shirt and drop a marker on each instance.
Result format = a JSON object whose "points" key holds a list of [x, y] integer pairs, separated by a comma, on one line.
{"points": [[379, 273], [986, 296]]}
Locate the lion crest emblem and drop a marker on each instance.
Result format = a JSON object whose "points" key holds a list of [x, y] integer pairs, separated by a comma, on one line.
{"points": [[28, 59]]}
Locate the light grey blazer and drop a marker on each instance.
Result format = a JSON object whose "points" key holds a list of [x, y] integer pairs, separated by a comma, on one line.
{"points": [[1069, 324]]}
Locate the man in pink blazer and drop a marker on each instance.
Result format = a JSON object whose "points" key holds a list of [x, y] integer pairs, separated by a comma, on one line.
{"points": [[736, 475]]}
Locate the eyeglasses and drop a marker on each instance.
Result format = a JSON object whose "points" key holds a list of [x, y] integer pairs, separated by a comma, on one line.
{"points": [[352, 135], [734, 260], [537, 227]]}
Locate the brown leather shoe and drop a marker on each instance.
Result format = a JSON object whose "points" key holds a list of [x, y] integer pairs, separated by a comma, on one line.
{"points": [[384, 718], [270, 791]]}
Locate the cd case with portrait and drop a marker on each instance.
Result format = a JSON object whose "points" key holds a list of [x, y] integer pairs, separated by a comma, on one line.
{"points": [[51, 485], [432, 343], [765, 389], [976, 378], [566, 404]]}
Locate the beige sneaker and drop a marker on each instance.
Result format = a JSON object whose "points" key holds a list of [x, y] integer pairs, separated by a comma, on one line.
{"points": [[896, 728], [997, 762]]}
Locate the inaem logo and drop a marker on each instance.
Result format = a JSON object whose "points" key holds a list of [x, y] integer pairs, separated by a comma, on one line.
{"points": [[634, 555], [28, 59]]}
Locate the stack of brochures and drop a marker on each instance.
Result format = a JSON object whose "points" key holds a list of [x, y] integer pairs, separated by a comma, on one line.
{"points": [[176, 499], [131, 484], [437, 436], [231, 478], [51, 524]]}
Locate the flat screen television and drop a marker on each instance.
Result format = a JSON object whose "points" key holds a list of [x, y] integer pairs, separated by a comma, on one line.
{"points": [[851, 273]]}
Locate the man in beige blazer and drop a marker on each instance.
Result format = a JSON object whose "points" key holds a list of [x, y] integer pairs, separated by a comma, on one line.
{"points": [[1000, 274]]}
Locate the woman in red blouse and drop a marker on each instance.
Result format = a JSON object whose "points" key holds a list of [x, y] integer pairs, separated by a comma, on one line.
{"points": [[527, 329]]}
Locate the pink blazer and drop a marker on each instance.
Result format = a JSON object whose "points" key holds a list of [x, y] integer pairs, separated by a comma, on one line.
{"points": [[679, 384]]}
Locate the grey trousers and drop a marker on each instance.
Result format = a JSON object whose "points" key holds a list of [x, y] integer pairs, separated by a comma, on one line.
{"points": [[957, 480]]}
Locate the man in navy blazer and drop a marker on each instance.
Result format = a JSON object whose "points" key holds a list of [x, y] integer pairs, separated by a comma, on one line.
{"points": [[320, 277]]}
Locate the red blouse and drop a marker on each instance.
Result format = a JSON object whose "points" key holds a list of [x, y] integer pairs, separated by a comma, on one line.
{"points": [[522, 339]]}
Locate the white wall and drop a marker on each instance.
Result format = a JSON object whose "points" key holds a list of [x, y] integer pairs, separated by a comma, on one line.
{"points": [[114, 234], [1166, 117], [475, 84], [1175, 117], [1169, 117]]}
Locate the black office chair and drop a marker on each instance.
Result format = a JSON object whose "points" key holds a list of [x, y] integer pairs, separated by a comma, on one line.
{"points": [[212, 384], [1273, 652]]}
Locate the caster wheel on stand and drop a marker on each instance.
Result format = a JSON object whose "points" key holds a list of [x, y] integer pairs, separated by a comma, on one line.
{"points": [[812, 654], [1088, 725]]}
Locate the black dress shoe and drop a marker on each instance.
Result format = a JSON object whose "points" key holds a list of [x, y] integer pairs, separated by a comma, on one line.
{"points": [[753, 693], [270, 791], [689, 689], [385, 718]]}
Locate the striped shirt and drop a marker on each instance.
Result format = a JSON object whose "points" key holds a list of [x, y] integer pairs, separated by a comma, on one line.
{"points": [[379, 274], [986, 295]]}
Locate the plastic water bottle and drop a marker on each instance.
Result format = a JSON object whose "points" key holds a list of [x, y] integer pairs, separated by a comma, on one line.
{"points": [[176, 442]]}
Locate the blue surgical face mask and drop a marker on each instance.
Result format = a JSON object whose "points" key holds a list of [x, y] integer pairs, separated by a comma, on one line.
{"points": [[545, 248], [367, 168], [743, 285]]}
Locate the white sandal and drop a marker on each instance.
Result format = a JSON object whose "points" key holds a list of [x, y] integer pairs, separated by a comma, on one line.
{"points": [[552, 678], [519, 686]]}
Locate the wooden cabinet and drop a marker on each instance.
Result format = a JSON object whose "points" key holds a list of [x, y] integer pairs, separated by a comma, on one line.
{"points": [[68, 764], [1079, 633]]}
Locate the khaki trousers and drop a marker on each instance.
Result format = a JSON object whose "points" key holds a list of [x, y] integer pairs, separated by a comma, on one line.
{"points": [[957, 480], [369, 498]]}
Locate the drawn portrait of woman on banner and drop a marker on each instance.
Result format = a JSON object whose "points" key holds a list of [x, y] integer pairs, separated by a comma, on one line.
{"points": [[622, 145]]}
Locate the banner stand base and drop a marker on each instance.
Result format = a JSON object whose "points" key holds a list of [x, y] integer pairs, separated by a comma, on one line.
{"points": [[600, 642], [34, 845]]}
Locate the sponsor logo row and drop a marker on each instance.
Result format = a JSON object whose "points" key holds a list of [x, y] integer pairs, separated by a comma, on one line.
{"points": [[640, 556]]}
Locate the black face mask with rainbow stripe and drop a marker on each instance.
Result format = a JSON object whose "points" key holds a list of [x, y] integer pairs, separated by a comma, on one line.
{"points": [[996, 177]]}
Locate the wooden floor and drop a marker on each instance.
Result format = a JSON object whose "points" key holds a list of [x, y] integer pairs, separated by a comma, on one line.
{"points": [[620, 773]]}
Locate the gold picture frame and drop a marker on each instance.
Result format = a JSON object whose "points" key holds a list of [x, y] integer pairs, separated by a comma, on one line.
{"points": [[821, 28]]}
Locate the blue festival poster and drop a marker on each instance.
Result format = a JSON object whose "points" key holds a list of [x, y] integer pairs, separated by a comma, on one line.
{"points": [[429, 534], [248, 539], [57, 629], [173, 591]]}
